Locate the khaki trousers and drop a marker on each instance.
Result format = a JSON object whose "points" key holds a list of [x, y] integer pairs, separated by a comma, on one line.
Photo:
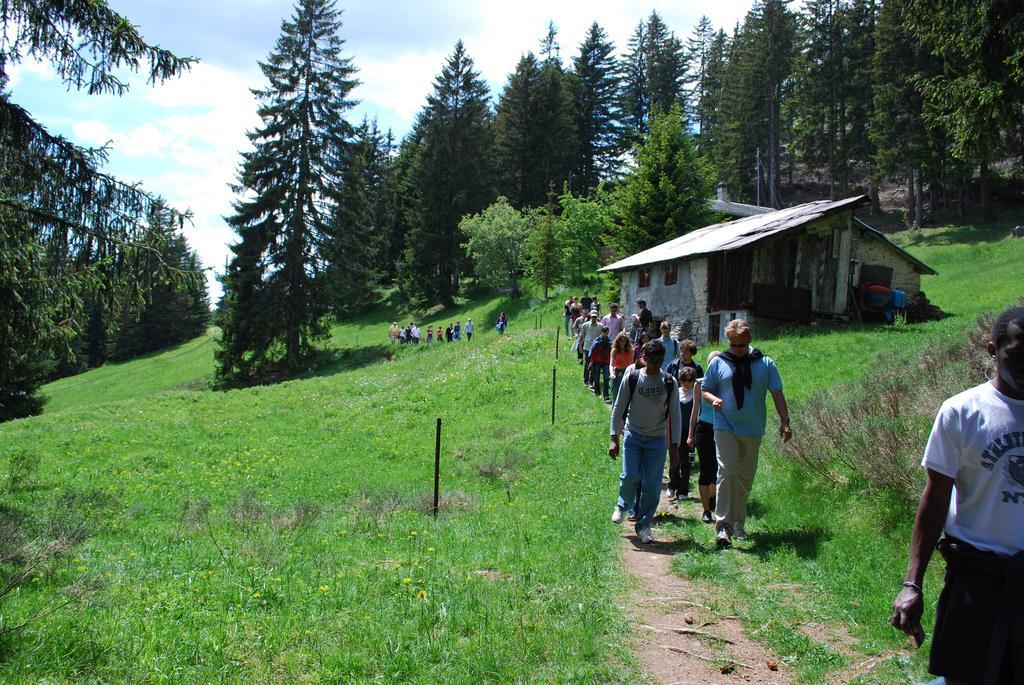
{"points": [[737, 464]]}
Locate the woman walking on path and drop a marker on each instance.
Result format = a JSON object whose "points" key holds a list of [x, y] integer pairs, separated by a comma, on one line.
{"points": [[622, 359], [502, 323], [702, 438], [469, 329]]}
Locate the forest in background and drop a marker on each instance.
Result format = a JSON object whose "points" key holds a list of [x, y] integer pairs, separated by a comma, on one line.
{"points": [[612, 146]]}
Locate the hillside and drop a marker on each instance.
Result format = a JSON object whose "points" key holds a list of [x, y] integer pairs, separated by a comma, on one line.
{"points": [[281, 533]]}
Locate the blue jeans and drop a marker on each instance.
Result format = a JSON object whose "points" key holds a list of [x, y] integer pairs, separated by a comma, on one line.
{"points": [[599, 371], [567, 320], [643, 463]]}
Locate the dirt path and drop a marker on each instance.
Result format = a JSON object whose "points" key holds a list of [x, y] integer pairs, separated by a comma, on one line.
{"points": [[678, 638]]}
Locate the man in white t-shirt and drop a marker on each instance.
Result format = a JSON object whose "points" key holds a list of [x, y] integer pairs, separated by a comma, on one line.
{"points": [[975, 491]]}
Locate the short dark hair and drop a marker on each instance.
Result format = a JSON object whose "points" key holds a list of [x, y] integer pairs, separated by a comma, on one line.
{"points": [[654, 348], [1001, 328], [687, 374], [688, 344]]}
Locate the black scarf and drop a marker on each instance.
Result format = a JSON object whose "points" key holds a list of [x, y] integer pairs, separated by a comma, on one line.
{"points": [[742, 377]]}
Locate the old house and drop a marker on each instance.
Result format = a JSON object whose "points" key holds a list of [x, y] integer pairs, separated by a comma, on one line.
{"points": [[793, 264]]}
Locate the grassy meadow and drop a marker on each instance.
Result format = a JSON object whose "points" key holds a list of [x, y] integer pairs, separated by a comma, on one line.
{"points": [[282, 533]]}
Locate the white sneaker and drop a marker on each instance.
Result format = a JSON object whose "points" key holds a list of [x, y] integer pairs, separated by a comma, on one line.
{"points": [[645, 534], [723, 539], [617, 515]]}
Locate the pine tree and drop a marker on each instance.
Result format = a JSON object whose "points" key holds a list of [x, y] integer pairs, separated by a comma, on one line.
{"points": [[902, 139], [275, 290], [654, 76], [169, 315], [857, 20], [449, 175], [667, 194], [67, 231], [635, 92], [597, 81], [534, 131], [818, 89], [756, 84], [544, 246], [976, 94], [698, 55]]}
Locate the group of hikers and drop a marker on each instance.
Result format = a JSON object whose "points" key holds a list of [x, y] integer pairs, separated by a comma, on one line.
{"points": [[411, 334], [658, 389], [971, 510]]}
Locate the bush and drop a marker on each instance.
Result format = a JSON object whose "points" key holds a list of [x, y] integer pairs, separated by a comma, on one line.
{"points": [[875, 430]]}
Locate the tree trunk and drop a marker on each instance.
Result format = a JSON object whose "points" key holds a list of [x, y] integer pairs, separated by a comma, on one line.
{"points": [[911, 201], [961, 202], [918, 198], [986, 198], [876, 205]]}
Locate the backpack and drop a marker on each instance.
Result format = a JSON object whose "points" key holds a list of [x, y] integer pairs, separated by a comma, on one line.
{"points": [[634, 377]]}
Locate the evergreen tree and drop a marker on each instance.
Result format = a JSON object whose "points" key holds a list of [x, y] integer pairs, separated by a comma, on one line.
{"points": [[977, 92], [698, 55], [819, 85], [67, 231], [449, 175], [902, 140], [361, 225], [543, 247], [534, 131], [635, 93], [755, 86], [667, 194], [275, 289], [654, 76], [169, 315], [596, 80]]}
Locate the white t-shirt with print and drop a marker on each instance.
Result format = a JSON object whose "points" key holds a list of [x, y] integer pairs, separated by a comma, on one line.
{"points": [[978, 440]]}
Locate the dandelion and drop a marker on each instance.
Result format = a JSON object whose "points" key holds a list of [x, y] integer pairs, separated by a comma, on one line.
{"points": [[406, 581], [325, 588], [430, 549], [257, 595], [422, 594]]}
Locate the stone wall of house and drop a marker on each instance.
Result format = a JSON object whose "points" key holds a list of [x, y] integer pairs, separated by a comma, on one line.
{"points": [[682, 303], [869, 250]]}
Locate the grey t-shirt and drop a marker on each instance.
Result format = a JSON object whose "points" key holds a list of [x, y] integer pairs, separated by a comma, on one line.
{"points": [[647, 407]]}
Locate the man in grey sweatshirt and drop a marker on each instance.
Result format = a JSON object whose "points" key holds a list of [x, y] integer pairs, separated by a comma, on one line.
{"points": [[653, 413]]}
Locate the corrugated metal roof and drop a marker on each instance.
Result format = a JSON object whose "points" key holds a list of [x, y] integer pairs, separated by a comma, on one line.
{"points": [[738, 208], [732, 235]]}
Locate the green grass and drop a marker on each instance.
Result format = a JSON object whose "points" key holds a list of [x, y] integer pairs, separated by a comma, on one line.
{"points": [[520, 577], [840, 553]]}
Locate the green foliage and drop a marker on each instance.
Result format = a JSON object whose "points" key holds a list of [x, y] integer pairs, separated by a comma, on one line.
{"points": [[170, 314], [544, 247], [595, 81], [497, 242], [667, 194], [291, 208], [534, 131], [654, 75], [754, 88], [583, 224], [69, 235], [447, 174]]}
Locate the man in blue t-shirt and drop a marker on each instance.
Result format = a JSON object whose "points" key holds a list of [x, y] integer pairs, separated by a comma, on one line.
{"points": [[736, 384]]}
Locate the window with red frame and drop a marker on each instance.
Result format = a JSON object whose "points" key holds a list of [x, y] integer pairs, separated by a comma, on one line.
{"points": [[645, 278], [671, 274]]}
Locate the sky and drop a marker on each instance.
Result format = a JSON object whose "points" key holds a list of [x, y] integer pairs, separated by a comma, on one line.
{"points": [[182, 140]]}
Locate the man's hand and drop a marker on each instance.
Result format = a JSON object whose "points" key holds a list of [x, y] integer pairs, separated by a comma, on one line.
{"points": [[907, 610], [717, 403], [785, 432], [613, 447], [690, 442]]}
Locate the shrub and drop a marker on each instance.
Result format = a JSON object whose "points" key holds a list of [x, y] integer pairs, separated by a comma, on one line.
{"points": [[875, 430]]}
